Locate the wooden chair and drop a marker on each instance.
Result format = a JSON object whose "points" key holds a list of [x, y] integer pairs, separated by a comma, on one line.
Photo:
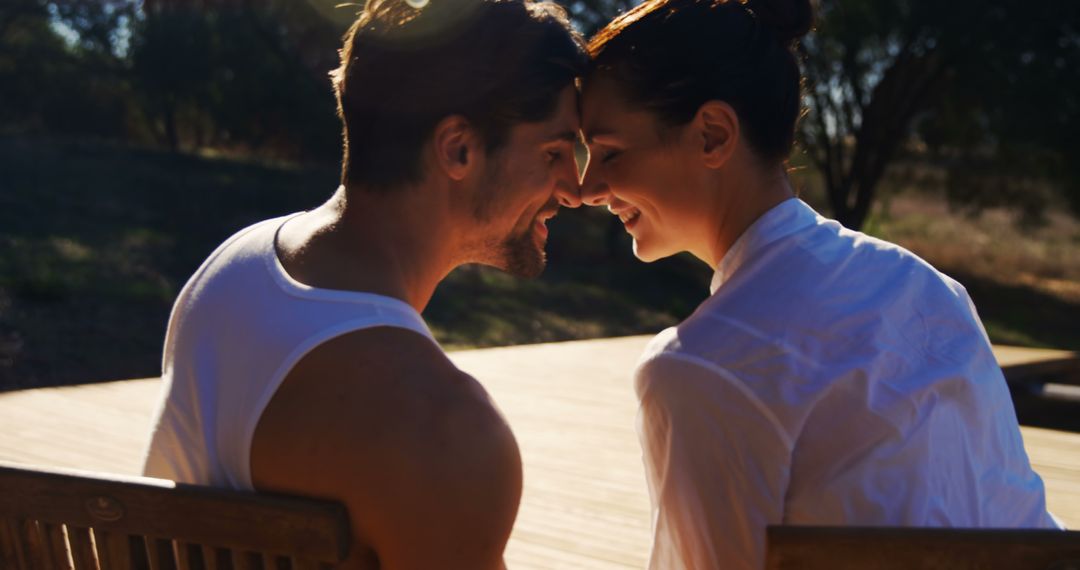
{"points": [[882, 548], [80, 521]]}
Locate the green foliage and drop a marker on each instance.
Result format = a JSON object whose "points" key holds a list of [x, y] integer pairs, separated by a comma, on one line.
{"points": [[229, 78], [57, 84], [238, 79]]}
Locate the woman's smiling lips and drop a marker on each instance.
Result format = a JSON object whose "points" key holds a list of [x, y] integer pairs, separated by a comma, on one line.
{"points": [[628, 216]]}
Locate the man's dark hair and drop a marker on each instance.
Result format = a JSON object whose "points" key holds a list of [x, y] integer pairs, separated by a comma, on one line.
{"points": [[403, 69]]}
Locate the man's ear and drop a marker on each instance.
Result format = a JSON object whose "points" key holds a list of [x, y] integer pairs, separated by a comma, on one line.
{"points": [[456, 146], [717, 126]]}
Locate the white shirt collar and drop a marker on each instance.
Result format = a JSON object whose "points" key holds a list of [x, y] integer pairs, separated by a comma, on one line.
{"points": [[782, 220]]}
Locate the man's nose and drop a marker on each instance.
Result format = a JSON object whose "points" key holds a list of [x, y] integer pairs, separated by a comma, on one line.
{"points": [[594, 190], [567, 189]]}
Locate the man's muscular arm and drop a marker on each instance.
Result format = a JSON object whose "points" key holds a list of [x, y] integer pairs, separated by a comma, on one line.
{"points": [[383, 422]]}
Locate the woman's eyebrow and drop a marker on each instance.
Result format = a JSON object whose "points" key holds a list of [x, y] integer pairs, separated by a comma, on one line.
{"points": [[597, 133]]}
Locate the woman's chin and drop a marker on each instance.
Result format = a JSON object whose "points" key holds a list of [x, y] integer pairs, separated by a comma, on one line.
{"points": [[648, 254]]}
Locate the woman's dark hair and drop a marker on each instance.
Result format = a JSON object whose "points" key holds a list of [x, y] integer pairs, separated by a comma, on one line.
{"points": [[671, 56], [403, 69]]}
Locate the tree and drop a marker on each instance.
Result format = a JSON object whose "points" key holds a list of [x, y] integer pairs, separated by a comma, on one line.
{"points": [[240, 74], [31, 54], [62, 67], [172, 67], [99, 26], [1007, 129], [871, 69], [880, 73]]}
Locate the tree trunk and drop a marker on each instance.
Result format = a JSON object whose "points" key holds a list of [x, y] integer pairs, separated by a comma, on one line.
{"points": [[906, 88]]}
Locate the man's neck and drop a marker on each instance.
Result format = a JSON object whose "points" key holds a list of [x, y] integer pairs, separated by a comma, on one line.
{"points": [[393, 245]]}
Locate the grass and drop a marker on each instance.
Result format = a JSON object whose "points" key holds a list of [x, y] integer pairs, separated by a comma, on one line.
{"points": [[96, 240]]}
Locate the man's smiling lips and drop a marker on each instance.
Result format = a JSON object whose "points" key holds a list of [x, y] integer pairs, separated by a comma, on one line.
{"points": [[541, 222]]}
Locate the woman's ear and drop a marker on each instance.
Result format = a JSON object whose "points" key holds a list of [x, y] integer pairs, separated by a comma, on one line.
{"points": [[456, 146], [717, 125]]}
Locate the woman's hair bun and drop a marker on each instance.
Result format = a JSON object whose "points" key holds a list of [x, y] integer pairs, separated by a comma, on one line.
{"points": [[792, 19]]}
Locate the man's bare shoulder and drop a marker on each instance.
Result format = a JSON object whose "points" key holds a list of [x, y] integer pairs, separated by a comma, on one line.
{"points": [[382, 386], [381, 420]]}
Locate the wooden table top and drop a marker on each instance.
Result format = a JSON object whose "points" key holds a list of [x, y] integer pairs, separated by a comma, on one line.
{"points": [[571, 406]]}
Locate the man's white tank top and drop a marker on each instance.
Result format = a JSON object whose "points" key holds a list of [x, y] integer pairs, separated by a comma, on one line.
{"points": [[237, 328]]}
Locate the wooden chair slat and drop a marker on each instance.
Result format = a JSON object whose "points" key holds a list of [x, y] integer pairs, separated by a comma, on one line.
{"points": [[136, 548], [246, 521], [153, 554], [82, 548], [114, 550], [883, 548], [58, 545], [104, 556], [188, 556], [7, 546], [159, 554], [195, 553], [180, 556], [166, 558], [85, 521], [210, 557], [242, 560], [285, 563], [14, 549], [39, 554], [305, 564]]}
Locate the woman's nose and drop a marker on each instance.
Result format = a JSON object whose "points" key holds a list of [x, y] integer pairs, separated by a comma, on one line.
{"points": [[594, 190]]}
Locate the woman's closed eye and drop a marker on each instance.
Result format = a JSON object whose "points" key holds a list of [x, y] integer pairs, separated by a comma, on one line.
{"points": [[607, 156]]}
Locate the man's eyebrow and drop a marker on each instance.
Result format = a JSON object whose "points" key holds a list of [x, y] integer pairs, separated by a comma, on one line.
{"points": [[564, 136]]}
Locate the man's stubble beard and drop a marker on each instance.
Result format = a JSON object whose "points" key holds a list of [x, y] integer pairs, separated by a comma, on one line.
{"points": [[517, 254]]}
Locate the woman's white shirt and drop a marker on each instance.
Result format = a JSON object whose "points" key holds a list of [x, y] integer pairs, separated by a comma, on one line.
{"points": [[831, 378]]}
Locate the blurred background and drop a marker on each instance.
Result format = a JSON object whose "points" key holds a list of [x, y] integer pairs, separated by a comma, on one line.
{"points": [[136, 135]]}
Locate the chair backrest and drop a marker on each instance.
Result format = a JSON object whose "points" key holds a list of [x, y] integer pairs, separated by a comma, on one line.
{"points": [[52, 519], [888, 548]]}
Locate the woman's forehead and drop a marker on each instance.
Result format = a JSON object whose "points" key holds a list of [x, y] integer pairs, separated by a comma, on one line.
{"points": [[601, 107], [606, 113]]}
